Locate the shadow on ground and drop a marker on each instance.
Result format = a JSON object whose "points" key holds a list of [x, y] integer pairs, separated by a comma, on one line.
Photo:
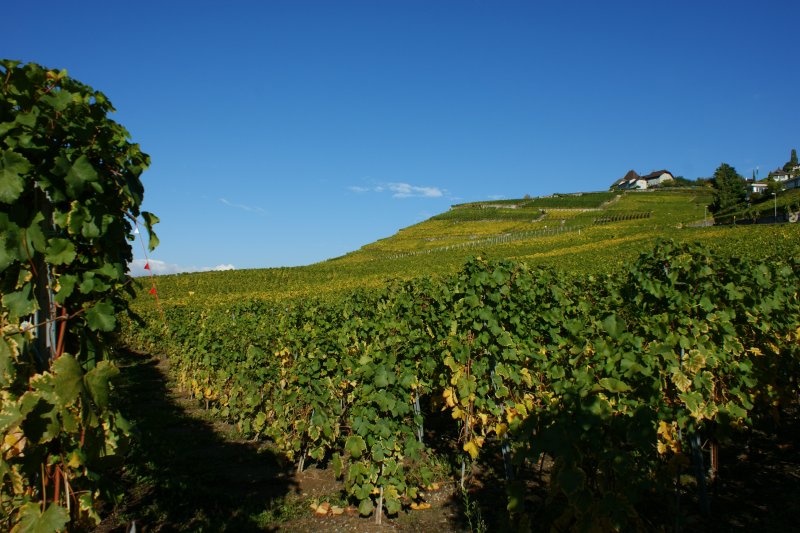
{"points": [[187, 473], [182, 474], [758, 489]]}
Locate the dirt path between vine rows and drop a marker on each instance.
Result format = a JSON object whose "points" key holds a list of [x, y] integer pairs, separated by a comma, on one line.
{"points": [[188, 472]]}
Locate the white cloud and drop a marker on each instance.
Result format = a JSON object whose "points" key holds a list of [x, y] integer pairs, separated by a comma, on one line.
{"points": [[243, 207], [496, 197], [137, 268], [406, 190], [161, 268], [402, 190]]}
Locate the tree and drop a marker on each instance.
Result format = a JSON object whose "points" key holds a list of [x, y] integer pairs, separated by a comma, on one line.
{"points": [[69, 195], [773, 186], [789, 166], [678, 181], [730, 190]]}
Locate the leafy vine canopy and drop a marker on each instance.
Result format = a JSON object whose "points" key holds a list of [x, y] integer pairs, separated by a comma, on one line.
{"points": [[70, 190], [70, 197]]}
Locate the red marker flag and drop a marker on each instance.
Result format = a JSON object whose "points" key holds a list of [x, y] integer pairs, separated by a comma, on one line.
{"points": [[153, 290], [147, 266]]}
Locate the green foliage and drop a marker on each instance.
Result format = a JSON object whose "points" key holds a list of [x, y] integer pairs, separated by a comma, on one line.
{"points": [[491, 212], [784, 202], [680, 181], [69, 187], [773, 187], [730, 192], [586, 200], [33, 520], [437, 247], [792, 163], [608, 375]]}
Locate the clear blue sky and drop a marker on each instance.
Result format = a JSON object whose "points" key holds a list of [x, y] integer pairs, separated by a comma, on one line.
{"points": [[288, 132]]}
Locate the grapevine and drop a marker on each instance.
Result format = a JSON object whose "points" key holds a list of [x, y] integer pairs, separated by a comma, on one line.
{"points": [[69, 195], [613, 377]]}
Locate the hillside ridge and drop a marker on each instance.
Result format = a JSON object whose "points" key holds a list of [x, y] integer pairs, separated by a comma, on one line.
{"points": [[601, 234]]}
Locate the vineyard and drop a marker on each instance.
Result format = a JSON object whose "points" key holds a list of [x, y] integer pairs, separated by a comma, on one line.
{"points": [[439, 247], [586, 200], [628, 382], [625, 363], [590, 357]]}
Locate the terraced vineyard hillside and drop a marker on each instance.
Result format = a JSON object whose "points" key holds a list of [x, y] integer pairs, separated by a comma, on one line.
{"points": [[586, 233], [578, 394]]}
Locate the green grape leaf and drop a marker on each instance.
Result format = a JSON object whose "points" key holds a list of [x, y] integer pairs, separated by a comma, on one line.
{"points": [[392, 504], [10, 416], [614, 385], [97, 382], [66, 284], [378, 452], [80, 173], [68, 379], [101, 317], [366, 507], [7, 367], [336, 461], [149, 221], [35, 235], [8, 251], [59, 99], [19, 303], [41, 423], [12, 167], [381, 378], [60, 252], [355, 446], [31, 519], [614, 326], [505, 339], [111, 270]]}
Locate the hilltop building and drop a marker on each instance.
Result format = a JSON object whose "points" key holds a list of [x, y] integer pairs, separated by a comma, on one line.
{"points": [[780, 175], [632, 180]]}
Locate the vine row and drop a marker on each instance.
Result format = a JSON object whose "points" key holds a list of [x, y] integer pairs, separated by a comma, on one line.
{"points": [[615, 378]]}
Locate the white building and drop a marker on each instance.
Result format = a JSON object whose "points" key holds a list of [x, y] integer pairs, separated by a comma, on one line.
{"points": [[632, 180], [658, 177], [780, 175]]}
